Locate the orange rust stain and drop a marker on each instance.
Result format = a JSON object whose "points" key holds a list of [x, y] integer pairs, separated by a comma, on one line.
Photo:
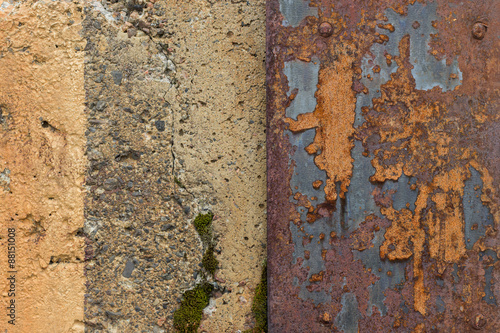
{"points": [[326, 317], [388, 59], [382, 39], [420, 141], [333, 120], [420, 328], [317, 184], [387, 26], [399, 235], [415, 126], [421, 146], [307, 255], [446, 233], [317, 277]]}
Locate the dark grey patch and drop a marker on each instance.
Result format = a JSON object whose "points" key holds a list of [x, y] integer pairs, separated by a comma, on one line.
{"points": [[428, 72], [167, 227], [112, 314], [99, 78], [305, 171], [160, 125], [2, 117], [404, 194], [101, 105], [5, 179], [117, 77], [294, 11], [440, 306], [348, 318], [97, 24], [111, 184], [302, 76], [129, 268]]}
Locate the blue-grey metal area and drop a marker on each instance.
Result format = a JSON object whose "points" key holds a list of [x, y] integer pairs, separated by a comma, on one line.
{"points": [[294, 11]]}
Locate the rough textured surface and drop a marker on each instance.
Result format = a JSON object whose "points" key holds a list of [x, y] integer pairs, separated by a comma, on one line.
{"points": [[383, 199], [121, 121], [220, 144], [175, 106], [42, 163]]}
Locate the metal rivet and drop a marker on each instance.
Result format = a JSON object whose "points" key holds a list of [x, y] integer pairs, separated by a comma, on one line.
{"points": [[325, 29], [479, 30], [478, 322], [326, 318]]}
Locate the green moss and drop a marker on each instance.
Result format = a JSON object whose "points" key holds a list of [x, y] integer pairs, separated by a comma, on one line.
{"points": [[259, 305], [203, 225], [178, 182], [188, 317], [209, 261]]}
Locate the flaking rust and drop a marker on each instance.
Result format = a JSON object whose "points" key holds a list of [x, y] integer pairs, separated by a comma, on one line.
{"points": [[332, 119], [383, 201]]}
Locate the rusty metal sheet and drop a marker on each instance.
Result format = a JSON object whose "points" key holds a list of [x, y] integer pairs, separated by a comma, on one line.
{"points": [[383, 165]]}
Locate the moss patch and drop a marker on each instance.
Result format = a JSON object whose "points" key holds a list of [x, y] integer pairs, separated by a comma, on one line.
{"points": [[209, 261], [188, 317], [178, 182], [259, 305], [203, 225]]}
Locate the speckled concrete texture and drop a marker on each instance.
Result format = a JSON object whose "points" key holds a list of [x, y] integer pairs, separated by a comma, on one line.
{"points": [[175, 103]]}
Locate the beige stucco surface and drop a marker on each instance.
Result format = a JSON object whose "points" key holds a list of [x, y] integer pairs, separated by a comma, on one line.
{"points": [[42, 163]]}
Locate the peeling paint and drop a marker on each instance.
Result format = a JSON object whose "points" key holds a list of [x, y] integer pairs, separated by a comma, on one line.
{"points": [[294, 11], [477, 216], [382, 198]]}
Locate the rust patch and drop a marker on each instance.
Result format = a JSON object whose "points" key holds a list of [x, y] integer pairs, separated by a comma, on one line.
{"points": [[386, 111], [333, 119]]}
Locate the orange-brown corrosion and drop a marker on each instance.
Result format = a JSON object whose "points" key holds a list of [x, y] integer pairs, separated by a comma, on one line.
{"points": [[432, 136], [333, 120], [419, 142]]}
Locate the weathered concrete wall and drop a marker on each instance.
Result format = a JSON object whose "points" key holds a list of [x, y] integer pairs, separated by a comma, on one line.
{"points": [[121, 122]]}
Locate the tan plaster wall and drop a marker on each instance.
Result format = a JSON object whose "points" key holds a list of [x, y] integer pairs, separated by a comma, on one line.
{"points": [[219, 142], [42, 144]]}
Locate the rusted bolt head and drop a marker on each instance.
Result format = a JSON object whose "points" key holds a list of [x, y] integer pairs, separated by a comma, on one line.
{"points": [[478, 322], [325, 29], [325, 318], [479, 30]]}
